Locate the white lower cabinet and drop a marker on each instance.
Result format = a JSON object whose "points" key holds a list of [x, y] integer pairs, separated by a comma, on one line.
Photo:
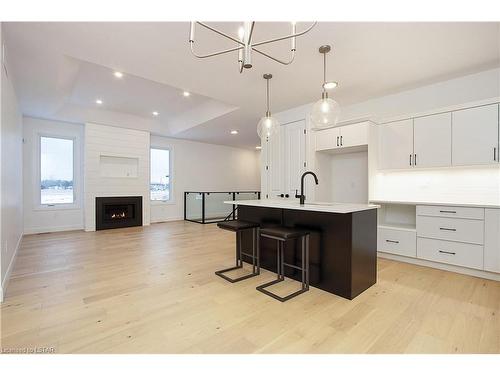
{"points": [[456, 253], [451, 229], [492, 240], [396, 241]]}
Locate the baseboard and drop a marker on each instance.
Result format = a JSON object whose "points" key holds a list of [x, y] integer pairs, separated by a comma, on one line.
{"points": [[6, 279], [167, 220], [39, 230], [442, 266]]}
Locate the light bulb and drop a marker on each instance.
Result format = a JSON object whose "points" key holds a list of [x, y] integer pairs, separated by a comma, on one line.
{"points": [[241, 33]]}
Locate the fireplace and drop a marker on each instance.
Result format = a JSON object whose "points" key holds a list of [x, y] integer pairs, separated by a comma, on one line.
{"points": [[118, 212]]}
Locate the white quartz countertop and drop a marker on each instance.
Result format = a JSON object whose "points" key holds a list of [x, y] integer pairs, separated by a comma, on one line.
{"points": [[338, 208], [437, 203]]}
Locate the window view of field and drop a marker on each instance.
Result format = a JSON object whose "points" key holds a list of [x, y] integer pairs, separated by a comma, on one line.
{"points": [[56, 170], [160, 175]]}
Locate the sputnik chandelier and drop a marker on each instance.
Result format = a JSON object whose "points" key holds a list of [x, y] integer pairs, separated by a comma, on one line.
{"points": [[245, 44]]}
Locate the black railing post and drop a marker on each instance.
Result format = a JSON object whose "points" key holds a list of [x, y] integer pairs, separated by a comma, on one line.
{"points": [[185, 206], [203, 208], [234, 206]]}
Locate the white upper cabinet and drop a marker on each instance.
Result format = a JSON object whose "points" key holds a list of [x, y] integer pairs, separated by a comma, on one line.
{"points": [[432, 141], [343, 136], [327, 139], [492, 240], [396, 145], [475, 135], [354, 135]]}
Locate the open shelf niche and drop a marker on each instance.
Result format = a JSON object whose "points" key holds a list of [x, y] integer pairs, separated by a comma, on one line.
{"points": [[397, 216]]}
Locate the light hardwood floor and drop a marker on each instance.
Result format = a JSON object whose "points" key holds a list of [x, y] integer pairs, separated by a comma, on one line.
{"points": [[153, 290]]}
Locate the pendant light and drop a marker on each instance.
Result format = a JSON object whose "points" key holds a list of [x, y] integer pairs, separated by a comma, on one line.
{"points": [[268, 125], [326, 111]]}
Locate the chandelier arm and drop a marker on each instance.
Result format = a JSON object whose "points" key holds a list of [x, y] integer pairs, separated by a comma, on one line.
{"points": [[285, 37], [275, 59], [214, 53], [220, 33], [251, 33]]}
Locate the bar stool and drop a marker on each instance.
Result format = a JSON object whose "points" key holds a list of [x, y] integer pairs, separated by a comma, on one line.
{"points": [[282, 235], [239, 226]]}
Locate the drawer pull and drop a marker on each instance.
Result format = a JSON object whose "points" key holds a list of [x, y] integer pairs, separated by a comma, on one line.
{"points": [[450, 229], [448, 212], [447, 252], [391, 241]]}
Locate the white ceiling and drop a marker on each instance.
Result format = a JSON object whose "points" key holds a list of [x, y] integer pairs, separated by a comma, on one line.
{"points": [[59, 70]]}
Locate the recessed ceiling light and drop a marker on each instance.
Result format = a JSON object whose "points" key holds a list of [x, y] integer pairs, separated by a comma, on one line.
{"points": [[155, 113], [330, 85], [118, 74], [98, 101], [258, 147], [234, 131], [186, 93]]}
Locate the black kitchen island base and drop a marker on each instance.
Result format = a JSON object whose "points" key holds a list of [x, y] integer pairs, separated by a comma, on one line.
{"points": [[342, 250]]}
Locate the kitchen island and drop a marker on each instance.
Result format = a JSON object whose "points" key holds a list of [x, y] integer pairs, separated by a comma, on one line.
{"points": [[343, 241]]}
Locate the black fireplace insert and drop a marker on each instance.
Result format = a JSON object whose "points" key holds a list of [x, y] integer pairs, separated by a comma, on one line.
{"points": [[118, 212]]}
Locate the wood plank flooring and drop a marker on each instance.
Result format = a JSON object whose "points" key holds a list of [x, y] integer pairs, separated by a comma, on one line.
{"points": [[153, 290]]}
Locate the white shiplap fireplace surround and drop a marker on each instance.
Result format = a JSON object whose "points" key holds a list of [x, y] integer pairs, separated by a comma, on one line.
{"points": [[116, 164]]}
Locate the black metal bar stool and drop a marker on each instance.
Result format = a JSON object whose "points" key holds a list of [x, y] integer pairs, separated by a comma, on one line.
{"points": [[239, 226], [282, 235]]}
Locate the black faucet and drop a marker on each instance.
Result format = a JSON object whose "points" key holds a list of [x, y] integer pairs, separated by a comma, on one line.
{"points": [[302, 197]]}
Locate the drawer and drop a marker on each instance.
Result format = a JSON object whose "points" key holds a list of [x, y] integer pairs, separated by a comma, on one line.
{"points": [[400, 242], [456, 253], [463, 230], [450, 211]]}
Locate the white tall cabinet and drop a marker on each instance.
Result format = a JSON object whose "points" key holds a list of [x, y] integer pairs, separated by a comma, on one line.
{"points": [[284, 161]]}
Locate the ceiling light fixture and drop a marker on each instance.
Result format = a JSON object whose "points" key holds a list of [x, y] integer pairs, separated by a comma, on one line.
{"points": [[325, 112], [234, 131], [186, 93], [245, 45], [98, 101], [155, 113], [118, 74], [267, 125]]}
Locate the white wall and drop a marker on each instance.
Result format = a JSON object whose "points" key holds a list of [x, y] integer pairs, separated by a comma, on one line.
{"points": [[204, 167], [11, 177], [50, 219], [117, 142]]}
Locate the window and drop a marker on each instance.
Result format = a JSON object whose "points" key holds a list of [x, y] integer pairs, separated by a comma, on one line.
{"points": [[56, 171], [161, 182]]}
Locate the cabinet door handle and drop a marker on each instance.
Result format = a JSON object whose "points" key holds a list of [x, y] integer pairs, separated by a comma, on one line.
{"points": [[415, 159], [287, 196], [281, 195], [448, 212], [391, 241], [450, 229], [494, 154], [341, 140], [410, 159], [337, 141], [447, 252]]}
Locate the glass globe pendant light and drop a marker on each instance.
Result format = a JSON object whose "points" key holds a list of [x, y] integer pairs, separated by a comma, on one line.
{"points": [[326, 111], [268, 125]]}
